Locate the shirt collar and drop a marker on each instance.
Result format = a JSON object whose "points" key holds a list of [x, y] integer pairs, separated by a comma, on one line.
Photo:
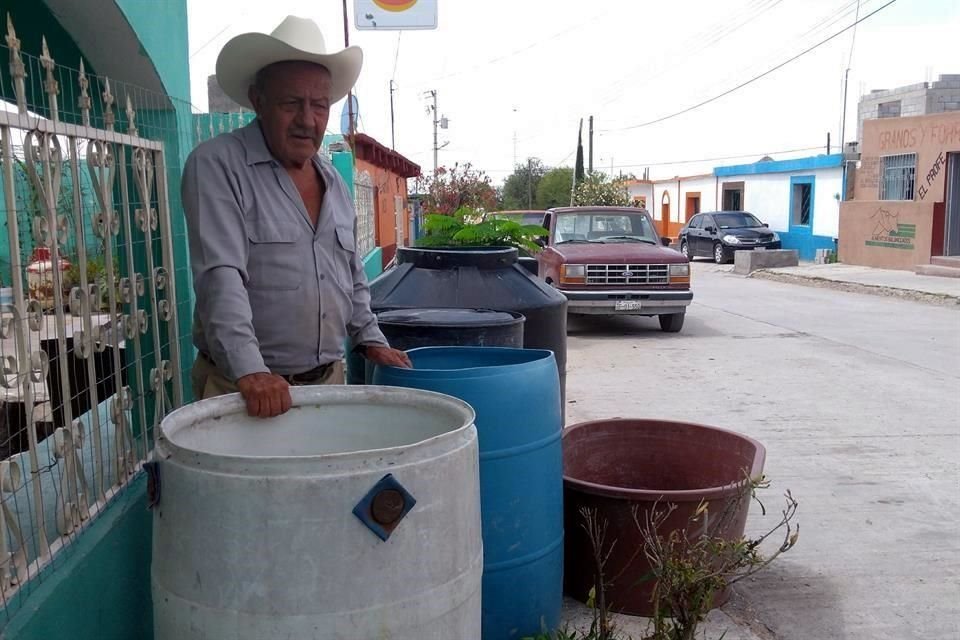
{"points": [[255, 145]]}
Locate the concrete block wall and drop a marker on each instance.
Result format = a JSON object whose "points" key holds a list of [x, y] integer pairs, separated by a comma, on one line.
{"points": [[915, 99]]}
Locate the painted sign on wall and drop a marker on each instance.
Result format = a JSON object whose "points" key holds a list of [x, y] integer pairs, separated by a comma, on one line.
{"points": [[932, 174], [890, 233], [927, 138]]}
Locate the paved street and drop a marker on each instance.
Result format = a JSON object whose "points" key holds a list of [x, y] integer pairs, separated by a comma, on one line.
{"points": [[857, 399]]}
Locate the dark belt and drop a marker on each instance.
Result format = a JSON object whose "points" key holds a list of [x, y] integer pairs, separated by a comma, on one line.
{"points": [[305, 377], [308, 376]]}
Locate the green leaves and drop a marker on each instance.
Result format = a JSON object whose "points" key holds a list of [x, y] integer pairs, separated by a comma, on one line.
{"points": [[470, 228]]}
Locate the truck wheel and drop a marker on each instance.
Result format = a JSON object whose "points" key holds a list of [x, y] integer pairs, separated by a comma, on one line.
{"points": [[671, 322]]}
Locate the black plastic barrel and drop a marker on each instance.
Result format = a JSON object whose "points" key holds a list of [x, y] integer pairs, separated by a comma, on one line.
{"points": [[412, 328], [477, 278]]}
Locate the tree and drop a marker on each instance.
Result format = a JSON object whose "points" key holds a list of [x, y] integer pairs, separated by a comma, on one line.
{"points": [[554, 188], [520, 189], [597, 189], [455, 187]]}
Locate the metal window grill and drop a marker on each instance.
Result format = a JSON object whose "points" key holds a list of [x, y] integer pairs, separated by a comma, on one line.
{"points": [[802, 204], [365, 196], [897, 175], [92, 259]]}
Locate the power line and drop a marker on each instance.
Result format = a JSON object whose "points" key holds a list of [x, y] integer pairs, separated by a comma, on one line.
{"points": [[820, 29], [821, 25], [217, 35], [532, 45], [714, 159], [753, 79], [721, 29], [637, 165], [396, 56]]}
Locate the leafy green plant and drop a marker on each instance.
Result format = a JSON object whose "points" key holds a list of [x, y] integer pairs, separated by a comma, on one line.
{"points": [[96, 274], [469, 228]]}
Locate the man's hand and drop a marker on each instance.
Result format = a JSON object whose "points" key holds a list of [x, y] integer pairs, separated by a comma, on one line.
{"points": [[387, 356], [267, 395]]}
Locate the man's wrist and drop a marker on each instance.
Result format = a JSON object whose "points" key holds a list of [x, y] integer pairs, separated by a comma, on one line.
{"points": [[360, 349], [364, 349]]}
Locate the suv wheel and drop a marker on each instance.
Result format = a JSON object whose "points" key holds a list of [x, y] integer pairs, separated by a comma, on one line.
{"points": [[719, 255], [671, 322], [685, 250]]}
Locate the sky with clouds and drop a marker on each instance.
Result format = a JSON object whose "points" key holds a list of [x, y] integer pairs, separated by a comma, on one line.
{"points": [[515, 78]]}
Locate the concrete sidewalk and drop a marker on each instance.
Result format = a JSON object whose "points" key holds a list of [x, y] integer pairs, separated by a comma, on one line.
{"points": [[885, 282]]}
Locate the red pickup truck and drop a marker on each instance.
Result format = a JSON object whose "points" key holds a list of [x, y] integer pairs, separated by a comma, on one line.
{"points": [[611, 260]]}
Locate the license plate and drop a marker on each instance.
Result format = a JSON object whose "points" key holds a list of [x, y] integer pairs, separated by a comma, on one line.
{"points": [[628, 305]]}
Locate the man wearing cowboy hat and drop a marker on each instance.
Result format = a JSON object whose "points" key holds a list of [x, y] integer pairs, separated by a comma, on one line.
{"points": [[279, 284]]}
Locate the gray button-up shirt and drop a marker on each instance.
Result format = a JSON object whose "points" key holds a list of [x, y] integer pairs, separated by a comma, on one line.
{"points": [[273, 293]]}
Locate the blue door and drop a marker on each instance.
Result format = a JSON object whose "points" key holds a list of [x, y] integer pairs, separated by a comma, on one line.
{"points": [[802, 192]]}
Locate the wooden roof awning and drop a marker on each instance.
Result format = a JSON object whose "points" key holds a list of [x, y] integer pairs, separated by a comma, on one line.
{"points": [[368, 149]]}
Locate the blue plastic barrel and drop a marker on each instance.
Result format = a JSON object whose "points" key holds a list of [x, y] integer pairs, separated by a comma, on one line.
{"points": [[516, 396]]}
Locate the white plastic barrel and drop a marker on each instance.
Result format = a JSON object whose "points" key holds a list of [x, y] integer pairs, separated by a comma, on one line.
{"points": [[255, 534]]}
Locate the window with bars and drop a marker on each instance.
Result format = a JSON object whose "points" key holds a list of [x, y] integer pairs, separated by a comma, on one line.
{"points": [[897, 174], [802, 204]]}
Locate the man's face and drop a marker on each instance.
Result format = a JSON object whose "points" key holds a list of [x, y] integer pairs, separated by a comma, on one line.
{"points": [[293, 104]]}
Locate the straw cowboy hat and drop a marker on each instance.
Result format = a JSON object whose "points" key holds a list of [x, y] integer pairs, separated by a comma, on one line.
{"points": [[295, 39]]}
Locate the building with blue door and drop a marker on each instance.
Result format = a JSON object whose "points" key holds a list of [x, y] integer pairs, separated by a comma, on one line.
{"points": [[798, 198]]}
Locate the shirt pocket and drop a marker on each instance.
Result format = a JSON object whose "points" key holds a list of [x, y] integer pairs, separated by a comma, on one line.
{"points": [[344, 250], [275, 260]]}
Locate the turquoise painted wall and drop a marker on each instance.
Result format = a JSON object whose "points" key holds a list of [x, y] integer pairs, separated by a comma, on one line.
{"points": [[100, 589], [805, 243], [373, 264], [162, 28]]}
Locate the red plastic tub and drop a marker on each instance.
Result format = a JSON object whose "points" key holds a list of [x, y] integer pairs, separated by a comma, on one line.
{"points": [[613, 465]]}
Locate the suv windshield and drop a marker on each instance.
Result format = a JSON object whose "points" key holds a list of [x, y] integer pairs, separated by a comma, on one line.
{"points": [[736, 220], [602, 226]]}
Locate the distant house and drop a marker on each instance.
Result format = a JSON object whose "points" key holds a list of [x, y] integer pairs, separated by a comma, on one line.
{"points": [[380, 179], [798, 198]]}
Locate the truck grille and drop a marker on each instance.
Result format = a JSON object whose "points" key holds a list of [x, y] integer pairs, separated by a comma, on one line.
{"points": [[628, 274]]}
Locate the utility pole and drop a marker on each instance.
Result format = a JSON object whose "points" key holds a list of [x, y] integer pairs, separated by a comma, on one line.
{"points": [[346, 43], [433, 94], [393, 138], [846, 79], [591, 145], [843, 119], [514, 137], [529, 184]]}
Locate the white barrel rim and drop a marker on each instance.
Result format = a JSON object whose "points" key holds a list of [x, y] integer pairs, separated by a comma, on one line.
{"points": [[231, 404]]}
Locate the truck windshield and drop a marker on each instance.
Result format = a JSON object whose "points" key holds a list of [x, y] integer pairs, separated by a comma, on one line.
{"points": [[602, 226]]}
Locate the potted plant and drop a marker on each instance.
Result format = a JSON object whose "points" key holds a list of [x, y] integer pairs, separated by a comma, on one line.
{"points": [[468, 227]]}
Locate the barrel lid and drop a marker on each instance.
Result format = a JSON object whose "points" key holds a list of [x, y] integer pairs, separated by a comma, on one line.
{"points": [[449, 317], [458, 257]]}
